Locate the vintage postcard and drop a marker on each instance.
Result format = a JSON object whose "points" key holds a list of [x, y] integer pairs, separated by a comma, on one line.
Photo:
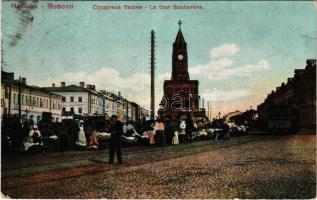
{"points": [[158, 99]]}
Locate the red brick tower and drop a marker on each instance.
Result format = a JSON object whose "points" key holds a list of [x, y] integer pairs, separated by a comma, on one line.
{"points": [[181, 98]]}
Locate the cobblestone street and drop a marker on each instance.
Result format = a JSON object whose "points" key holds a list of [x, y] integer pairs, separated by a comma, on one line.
{"points": [[244, 167]]}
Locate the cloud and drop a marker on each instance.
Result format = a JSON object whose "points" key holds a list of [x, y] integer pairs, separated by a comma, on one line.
{"points": [[110, 78], [242, 71], [224, 50], [213, 65], [164, 76], [248, 70], [222, 68]]}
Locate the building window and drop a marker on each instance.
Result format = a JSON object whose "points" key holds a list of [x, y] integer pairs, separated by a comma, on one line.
{"points": [[72, 110], [80, 99], [34, 101], [22, 100], [80, 110], [26, 100], [63, 99], [63, 110], [71, 99]]}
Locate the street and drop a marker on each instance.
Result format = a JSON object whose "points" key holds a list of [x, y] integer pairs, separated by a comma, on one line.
{"points": [[252, 166]]}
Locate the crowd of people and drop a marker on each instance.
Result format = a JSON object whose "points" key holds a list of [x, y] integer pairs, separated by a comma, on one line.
{"points": [[169, 131], [71, 134], [61, 135]]}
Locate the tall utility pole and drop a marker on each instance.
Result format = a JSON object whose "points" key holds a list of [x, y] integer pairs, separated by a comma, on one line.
{"points": [[19, 99], [152, 75], [208, 110]]}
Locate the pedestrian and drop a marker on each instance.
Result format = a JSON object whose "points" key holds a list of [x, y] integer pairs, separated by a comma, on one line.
{"points": [[189, 129], [81, 135], [90, 132], [159, 130], [227, 130], [63, 141], [16, 134], [26, 129], [169, 130], [73, 131], [182, 132], [116, 131]]}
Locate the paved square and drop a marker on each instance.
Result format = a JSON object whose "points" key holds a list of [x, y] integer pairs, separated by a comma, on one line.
{"points": [[245, 167]]}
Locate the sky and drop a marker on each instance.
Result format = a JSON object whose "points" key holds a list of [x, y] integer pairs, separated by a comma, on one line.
{"points": [[239, 51]]}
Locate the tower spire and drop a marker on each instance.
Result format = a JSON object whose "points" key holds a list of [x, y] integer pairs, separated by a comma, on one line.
{"points": [[180, 24]]}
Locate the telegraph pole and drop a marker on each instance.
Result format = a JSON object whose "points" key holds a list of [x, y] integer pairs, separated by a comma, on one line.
{"points": [[208, 109], [19, 99], [152, 75]]}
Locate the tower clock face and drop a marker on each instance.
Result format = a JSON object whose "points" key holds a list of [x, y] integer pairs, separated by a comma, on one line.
{"points": [[180, 57]]}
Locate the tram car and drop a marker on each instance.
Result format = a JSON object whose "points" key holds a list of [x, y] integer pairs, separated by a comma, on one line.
{"points": [[281, 119]]}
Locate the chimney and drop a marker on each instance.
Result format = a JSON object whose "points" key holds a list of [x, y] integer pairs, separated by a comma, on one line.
{"points": [[311, 62], [62, 84], [24, 80], [53, 84], [82, 84], [93, 87], [88, 86], [119, 93]]}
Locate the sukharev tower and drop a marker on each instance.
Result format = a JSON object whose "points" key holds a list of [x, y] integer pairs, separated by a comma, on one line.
{"points": [[181, 98]]}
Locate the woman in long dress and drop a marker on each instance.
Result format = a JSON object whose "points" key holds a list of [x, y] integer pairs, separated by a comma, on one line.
{"points": [[91, 136], [81, 136]]}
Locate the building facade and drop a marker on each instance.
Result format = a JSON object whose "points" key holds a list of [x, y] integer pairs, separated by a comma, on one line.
{"points": [[78, 100], [33, 100], [299, 93], [305, 94]]}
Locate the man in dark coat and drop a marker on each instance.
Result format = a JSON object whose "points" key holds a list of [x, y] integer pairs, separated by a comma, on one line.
{"points": [[116, 131], [169, 130], [189, 129]]}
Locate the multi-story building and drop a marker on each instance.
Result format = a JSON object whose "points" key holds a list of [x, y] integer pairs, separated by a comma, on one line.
{"points": [[115, 104], [299, 93], [33, 100], [78, 100], [135, 111], [111, 107], [305, 94]]}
